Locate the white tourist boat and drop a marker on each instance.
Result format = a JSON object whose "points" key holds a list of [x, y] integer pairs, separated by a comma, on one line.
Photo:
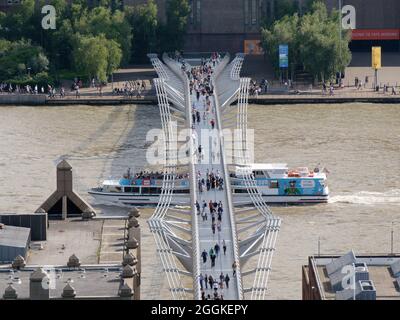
{"points": [[276, 183]]}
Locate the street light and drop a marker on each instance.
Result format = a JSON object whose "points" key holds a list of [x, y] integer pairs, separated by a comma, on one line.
{"points": [[29, 71]]}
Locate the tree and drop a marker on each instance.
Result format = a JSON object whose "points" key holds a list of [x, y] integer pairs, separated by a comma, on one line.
{"points": [[114, 57], [18, 23], [143, 20], [284, 31], [16, 57], [100, 20], [322, 50], [314, 42], [96, 56], [172, 34]]}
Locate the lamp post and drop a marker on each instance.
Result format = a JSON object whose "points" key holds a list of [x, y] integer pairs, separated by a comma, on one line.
{"points": [[29, 71]]}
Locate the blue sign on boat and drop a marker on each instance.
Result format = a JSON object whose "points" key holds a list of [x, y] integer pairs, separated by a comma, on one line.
{"points": [[283, 56]]}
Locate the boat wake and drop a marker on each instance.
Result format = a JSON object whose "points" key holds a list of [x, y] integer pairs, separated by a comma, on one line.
{"points": [[369, 198]]}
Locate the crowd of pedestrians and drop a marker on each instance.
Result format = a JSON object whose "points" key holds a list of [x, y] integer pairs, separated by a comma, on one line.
{"points": [[51, 91], [215, 282], [132, 89]]}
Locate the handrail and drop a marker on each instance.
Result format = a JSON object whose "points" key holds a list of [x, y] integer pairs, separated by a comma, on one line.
{"points": [[229, 195], [192, 176]]}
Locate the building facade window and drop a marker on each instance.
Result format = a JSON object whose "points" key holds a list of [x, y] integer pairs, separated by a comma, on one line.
{"points": [[191, 12], [246, 12], [254, 12], [198, 12]]}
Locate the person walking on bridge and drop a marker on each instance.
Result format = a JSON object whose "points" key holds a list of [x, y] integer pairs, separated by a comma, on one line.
{"points": [[198, 207], [201, 281], [234, 266], [212, 257], [227, 279], [217, 248], [224, 246], [204, 255]]}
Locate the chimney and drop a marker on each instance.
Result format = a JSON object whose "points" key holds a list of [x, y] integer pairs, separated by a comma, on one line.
{"points": [[39, 285], [19, 262], [68, 292], [73, 262], [129, 259], [125, 292], [10, 293]]}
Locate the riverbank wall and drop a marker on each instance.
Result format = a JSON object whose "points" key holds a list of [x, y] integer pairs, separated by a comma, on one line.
{"points": [[43, 100]]}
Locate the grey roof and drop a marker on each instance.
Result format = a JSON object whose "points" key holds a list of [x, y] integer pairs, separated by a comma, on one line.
{"points": [[395, 266], [11, 236], [348, 294], [93, 282], [339, 263]]}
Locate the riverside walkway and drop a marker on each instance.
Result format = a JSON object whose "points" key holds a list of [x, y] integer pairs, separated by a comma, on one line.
{"points": [[211, 235]]}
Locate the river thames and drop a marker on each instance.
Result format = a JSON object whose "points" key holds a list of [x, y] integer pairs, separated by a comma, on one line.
{"points": [[358, 143]]}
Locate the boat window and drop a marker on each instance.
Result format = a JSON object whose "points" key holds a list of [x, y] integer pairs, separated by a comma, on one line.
{"points": [[155, 190], [135, 190], [118, 188], [180, 191], [274, 184], [241, 191], [128, 189], [145, 190]]}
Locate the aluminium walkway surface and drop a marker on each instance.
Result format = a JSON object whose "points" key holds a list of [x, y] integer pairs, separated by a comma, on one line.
{"points": [[207, 239]]}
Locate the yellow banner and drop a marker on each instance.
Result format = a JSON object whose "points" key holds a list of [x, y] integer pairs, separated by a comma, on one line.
{"points": [[376, 58]]}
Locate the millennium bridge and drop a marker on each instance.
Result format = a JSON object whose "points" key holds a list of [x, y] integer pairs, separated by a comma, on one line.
{"points": [[249, 231]]}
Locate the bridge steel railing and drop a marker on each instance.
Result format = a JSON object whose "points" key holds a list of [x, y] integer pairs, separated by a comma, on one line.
{"points": [[258, 236], [166, 224], [176, 67]]}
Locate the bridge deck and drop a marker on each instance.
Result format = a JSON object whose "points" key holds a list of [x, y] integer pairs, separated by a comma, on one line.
{"points": [[207, 238]]}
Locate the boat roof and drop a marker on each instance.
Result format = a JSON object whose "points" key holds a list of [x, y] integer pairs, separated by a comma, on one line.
{"points": [[111, 182], [269, 166]]}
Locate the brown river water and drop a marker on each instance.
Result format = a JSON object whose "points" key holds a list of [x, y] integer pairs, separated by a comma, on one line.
{"points": [[358, 143]]}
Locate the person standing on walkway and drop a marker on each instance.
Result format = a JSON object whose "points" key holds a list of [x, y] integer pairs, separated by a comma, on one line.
{"points": [[206, 281], [219, 227], [213, 260], [227, 279], [212, 122], [201, 281], [221, 280], [204, 256], [217, 249], [198, 207], [204, 215], [234, 266], [213, 228], [210, 281], [224, 246]]}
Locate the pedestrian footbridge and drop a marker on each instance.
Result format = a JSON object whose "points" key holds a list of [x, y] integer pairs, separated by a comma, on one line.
{"points": [[182, 233]]}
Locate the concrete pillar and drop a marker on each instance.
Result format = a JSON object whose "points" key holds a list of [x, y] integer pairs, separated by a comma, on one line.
{"points": [[64, 177], [64, 212], [39, 288]]}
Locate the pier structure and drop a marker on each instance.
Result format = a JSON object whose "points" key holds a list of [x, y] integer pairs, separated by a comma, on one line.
{"points": [[182, 233]]}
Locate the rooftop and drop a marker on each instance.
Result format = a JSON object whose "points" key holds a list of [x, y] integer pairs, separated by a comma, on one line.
{"points": [[383, 271], [88, 281], [14, 236]]}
